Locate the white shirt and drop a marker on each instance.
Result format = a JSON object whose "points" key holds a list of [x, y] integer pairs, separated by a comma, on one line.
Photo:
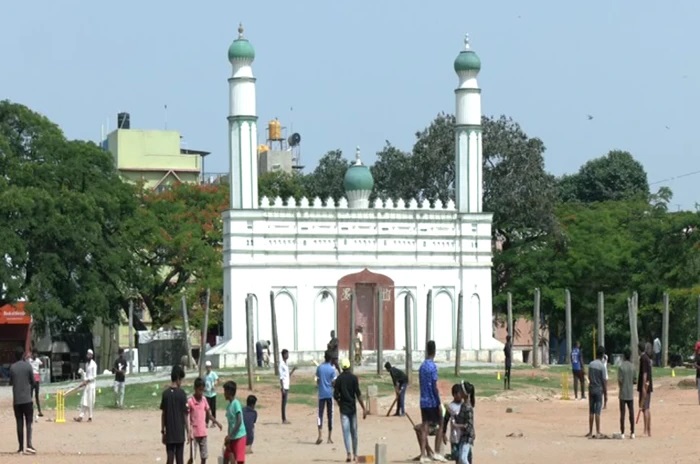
{"points": [[657, 345], [455, 433], [91, 371], [605, 367], [36, 364], [284, 374], [359, 336]]}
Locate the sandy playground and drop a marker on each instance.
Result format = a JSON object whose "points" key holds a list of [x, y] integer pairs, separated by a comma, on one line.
{"points": [[552, 432]]}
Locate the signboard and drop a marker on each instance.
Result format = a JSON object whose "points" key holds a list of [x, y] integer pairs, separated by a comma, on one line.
{"points": [[14, 314]]}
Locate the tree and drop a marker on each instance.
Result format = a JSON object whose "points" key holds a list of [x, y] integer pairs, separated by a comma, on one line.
{"points": [[63, 210], [177, 240], [327, 179], [616, 176], [281, 184], [390, 172]]}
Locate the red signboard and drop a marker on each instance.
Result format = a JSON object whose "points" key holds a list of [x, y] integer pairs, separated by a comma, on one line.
{"points": [[14, 314]]}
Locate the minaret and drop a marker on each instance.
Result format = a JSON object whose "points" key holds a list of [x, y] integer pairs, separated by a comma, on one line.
{"points": [[242, 125], [469, 163]]}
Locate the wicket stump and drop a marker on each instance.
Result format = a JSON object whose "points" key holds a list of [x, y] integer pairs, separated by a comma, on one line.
{"points": [[565, 386], [60, 407]]}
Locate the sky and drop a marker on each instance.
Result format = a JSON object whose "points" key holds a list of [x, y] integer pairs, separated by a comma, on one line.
{"points": [[347, 74]]}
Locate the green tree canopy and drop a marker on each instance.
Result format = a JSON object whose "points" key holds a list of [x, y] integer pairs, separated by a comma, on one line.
{"points": [[63, 210]]}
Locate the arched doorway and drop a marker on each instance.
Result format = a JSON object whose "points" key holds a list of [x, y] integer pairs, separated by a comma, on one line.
{"points": [[373, 293]]}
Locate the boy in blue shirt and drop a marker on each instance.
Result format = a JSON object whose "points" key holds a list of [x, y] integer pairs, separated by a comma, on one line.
{"points": [[325, 376], [577, 369]]}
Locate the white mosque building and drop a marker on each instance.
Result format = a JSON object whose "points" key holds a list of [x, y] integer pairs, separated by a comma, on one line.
{"points": [[314, 253]]}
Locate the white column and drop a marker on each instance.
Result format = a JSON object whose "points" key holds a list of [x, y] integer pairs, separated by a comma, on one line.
{"points": [[243, 138]]}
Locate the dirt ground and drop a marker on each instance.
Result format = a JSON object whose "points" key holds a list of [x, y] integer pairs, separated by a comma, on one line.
{"points": [[553, 432]]}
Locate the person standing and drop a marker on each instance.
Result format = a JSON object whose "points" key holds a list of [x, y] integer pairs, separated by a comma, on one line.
{"points": [[400, 382], [199, 415], [22, 382], [645, 385], [36, 364], [697, 368], [325, 376], [333, 349], [346, 392], [625, 383], [285, 377], [210, 379], [465, 420], [657, 352], [508, 352], [236, 434], [173, 418], [119, 371], [87, 401], [577, 369], [597, 389], [260, 347], [431, 414], [250, 417], [358, 345]]}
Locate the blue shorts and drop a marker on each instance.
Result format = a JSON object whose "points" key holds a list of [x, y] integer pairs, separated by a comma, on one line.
{"points": [[595, 403]]}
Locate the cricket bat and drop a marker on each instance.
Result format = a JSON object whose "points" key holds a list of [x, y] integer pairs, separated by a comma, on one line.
{"points": [[392, 406]]}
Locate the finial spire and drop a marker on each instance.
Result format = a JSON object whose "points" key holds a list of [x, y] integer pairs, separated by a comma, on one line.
{"points": [[240, 30], [358, 161], [466, 41]]}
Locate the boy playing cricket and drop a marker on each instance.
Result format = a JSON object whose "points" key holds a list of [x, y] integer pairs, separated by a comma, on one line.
{"points": [[200, 415], [236, 437]]}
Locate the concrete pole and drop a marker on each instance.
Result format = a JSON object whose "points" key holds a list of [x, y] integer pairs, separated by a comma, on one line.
{"points": [[205, 332], [601, 319], [249, 338], [698, 337], [351, 348], [380, 332], [186, 323], [429, 316], [460, 334], [510, 317], [275, 340], [634, 336], [569, 336], [664, 335], [131, 337], [409, 337], [536, 331]]}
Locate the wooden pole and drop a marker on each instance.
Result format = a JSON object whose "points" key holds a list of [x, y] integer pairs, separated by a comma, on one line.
{"points": [[380, 332], [131, 337], [601, 319], [205, 332], [275, 340], [460, 334], [664, 335], [429, 316], [186, 323], [510, 317], [569, 336], [409, 336], [536, 330], [249, 338], [351, 348]]}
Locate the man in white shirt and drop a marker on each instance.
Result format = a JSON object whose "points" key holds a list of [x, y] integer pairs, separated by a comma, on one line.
{"points": [[657, 352], [285, 376], [36, 364], [87, 402]]}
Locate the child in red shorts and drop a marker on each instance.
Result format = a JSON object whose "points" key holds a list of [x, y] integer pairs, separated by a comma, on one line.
{"points": [[235, 441]]}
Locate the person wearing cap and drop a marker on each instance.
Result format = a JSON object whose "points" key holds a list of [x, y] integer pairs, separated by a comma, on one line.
{"points": [[87, 402], [697, 368], [346, 392], [210, 380]]}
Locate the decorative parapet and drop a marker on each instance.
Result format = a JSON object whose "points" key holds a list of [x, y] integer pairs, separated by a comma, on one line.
{"points": [[388, 204]]}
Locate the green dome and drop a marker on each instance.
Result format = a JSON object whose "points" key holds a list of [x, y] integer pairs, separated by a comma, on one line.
{"points": [[467, 60], [241, 49], [358, 177]]}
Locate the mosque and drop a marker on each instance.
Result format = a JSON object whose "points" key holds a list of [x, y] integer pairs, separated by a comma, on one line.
{"points": [[313, 254]]}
